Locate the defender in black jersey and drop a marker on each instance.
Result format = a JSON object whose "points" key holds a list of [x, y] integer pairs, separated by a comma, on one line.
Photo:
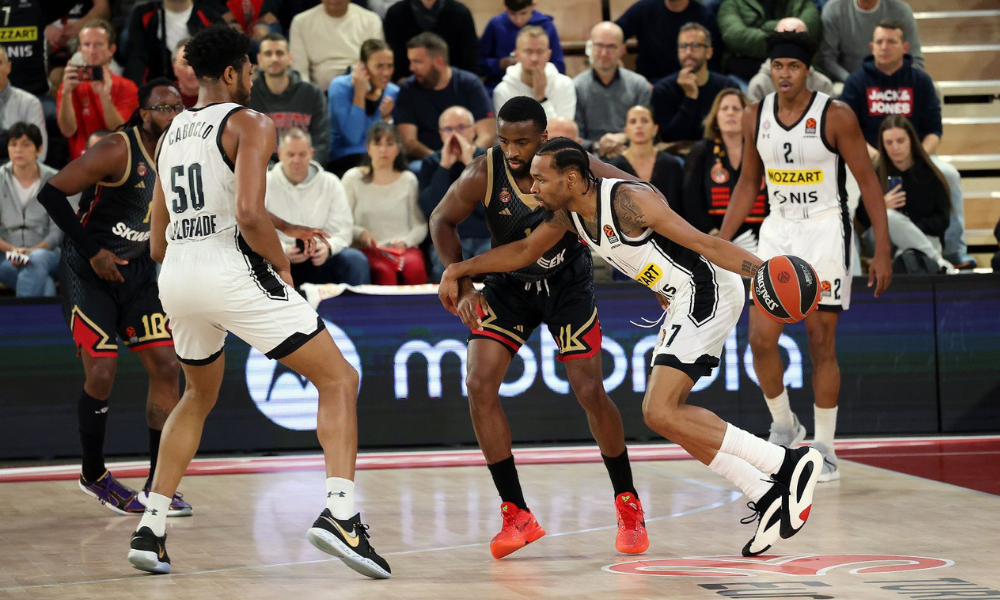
{"points": [[557, 290], [108, 284]]}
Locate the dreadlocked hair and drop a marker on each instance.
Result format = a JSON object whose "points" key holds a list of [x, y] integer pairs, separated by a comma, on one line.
{"points": [[567, 154], [144, 93]]}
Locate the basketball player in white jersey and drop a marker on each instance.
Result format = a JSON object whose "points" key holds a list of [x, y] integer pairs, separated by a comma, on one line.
{"points": [[629, 225], [224, 270], [804, 138]]}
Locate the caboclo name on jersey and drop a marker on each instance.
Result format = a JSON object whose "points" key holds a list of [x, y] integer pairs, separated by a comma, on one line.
{"points": [[193, 129]]}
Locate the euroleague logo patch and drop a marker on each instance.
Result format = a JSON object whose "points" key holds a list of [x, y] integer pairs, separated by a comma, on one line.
{"points": [[505, 195], [801, 565], [610, 233], [783, 277], [810, 125]]}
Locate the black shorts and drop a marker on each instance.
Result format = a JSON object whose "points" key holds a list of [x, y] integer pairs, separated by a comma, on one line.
{"points": [[564, 302], [99, 312]]}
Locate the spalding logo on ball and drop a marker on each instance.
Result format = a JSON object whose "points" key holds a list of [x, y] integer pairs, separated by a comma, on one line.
{"points": [[786, 289]]}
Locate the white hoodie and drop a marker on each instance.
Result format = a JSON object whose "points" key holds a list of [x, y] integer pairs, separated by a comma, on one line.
{"points": [[560, 93], [320, 201]]}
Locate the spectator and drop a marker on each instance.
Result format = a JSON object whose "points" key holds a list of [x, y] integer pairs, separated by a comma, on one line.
{"points": [[563, 127], [746, 23], [641, 159], [300, 191], [359, 100], [713, 167], [887, 84], [656, 24], [97, 136], [762, 85], [848, 26], [187, 81], [681, 101], [919, 205], [606, 91], [326, 39], [155, 31], [281, 94], [441, 169], [85, 106], [496, 46], [433, 87], [388, 223], [29, 239], [256, 18], [61, 34], [18, 106], [449, 19], [534, 76]]}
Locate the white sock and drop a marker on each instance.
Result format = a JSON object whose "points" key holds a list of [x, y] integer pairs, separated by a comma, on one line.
{"points": [[781, 413], [826, 425], [743, 475], [760, 453], [340, 498], [155, 515]]}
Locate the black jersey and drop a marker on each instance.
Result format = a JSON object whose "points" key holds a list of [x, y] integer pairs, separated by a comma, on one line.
{"points": [[22, 33], [116, 215], [512, 215]]}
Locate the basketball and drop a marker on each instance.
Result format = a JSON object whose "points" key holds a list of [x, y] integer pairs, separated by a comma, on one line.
{"points": [[786, 289]]}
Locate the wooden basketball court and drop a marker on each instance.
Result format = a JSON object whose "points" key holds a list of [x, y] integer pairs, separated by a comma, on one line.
{"points": [[877, 534]]}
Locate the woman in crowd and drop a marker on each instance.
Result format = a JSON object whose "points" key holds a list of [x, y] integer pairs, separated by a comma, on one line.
{"points": [[713, 168], [388, 224], [357, 101], [918, 199], [643, 160], [29, 239]]}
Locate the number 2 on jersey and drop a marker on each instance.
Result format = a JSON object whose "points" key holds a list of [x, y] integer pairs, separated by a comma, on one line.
{"points": [[788, 152], [195, 189]]}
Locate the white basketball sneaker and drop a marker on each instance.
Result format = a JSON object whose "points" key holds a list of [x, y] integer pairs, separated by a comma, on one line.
{"points": [[830, 471], [789, 438], [799, 474]]}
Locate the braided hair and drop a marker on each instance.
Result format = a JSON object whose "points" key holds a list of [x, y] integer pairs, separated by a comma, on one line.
{"points": [[568, 154]]}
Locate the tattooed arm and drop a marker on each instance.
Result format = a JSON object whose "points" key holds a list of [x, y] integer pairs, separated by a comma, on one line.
{"points": [[638, 208]]}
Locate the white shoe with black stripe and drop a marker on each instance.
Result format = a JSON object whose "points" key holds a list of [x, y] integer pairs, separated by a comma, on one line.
{"points": [[767, 513], [799, 474]]}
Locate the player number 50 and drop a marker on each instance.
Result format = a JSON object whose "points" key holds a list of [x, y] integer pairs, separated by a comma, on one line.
{"points": [[195, 189]]}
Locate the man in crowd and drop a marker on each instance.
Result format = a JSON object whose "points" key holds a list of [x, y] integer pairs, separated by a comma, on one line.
{"points": [[187, 81], [434, 86], [157, 28], [605, 92], [281, 94], [19, 106], [327, 38], [655, 25], [847, 29], [300, 191], [534, 76]]}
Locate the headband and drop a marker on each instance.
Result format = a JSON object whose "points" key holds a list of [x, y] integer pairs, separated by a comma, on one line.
{"points": [[788, 50]]}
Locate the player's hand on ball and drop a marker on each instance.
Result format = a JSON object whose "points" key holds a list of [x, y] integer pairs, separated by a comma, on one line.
{"points": [[105, 264]]}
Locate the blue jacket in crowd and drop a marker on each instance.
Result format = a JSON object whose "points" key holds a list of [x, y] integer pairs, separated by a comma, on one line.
{"points": [[499, 39], [349, 123]]}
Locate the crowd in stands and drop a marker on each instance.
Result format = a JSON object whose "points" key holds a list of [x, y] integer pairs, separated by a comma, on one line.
{"points": [[380, 104]]}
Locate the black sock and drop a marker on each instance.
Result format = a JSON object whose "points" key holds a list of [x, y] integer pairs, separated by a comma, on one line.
{"points": [[620, 471], [505, 478], [154, 450], [93, 417]]}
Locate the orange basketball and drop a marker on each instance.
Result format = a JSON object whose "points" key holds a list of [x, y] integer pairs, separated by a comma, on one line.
{"points": [[786, 289]]}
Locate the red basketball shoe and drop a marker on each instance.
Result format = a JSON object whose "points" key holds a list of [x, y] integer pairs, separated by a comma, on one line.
{"points": [[632, 537], [519, 529]]}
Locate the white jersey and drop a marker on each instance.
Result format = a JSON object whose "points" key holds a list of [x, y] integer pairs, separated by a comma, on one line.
{"points": [[197, 177], [805, 176], [658, 263]]}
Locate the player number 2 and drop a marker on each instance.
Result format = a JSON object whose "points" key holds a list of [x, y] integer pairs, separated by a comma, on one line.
{"points": [[195, 188], [788, 152]]}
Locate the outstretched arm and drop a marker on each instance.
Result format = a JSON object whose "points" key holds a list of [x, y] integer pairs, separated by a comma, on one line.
{"points": [[846, 137], [639, 208], [747, 188]]}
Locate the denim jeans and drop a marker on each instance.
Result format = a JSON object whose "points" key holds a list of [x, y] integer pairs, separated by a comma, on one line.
{"points": [[955, 249], [37, 278], [347, 266]]}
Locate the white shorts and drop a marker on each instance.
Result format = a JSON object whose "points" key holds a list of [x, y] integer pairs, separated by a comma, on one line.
{"points": [[696, 347], [210, 287], [825, 241]]}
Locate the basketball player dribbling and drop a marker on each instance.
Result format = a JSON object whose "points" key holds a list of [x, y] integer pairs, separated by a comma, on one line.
{"points": [[109, 290], [804, 138], [556, 290], [628, 224], [224, 270]]}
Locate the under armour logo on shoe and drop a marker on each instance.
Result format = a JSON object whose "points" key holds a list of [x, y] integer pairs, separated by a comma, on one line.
{"points": [[337, 494]]}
